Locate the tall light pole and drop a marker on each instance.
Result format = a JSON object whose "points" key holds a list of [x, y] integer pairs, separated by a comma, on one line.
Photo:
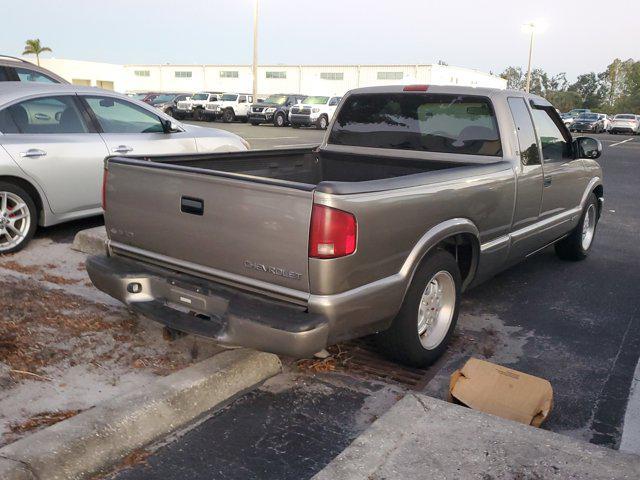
{"points": [[255, 51], [531, 28]]}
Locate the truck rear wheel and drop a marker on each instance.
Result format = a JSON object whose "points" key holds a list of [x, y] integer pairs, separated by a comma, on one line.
{"points": [[423, 328], [579, 242], [18, 218]]}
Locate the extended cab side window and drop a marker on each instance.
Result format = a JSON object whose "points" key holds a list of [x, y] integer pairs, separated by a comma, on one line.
{"points": [[555, 148], [529, 153], [119, 116]]}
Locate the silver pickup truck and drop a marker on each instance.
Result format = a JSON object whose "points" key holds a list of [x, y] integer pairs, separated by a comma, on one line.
{"points": [[415, 194]]}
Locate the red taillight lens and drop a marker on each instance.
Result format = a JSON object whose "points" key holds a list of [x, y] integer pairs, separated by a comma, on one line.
{"points": [[416, 88], [332, 233], [105, 174]]}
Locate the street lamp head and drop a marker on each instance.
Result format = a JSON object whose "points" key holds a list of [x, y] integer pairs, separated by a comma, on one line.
{"points": [[537, 26]]}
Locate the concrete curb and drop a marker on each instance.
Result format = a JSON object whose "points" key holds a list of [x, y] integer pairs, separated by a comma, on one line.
{"points": [[424, 438], [90, 241], [99, 437]]}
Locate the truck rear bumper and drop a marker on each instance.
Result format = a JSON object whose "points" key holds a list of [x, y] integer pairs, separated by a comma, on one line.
{"points": [[205, 308]]}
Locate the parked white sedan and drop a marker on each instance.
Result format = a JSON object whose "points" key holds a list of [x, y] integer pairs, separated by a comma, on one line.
{"points": [[53, 141]]}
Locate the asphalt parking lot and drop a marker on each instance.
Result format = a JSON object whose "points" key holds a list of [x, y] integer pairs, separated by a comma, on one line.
{"points": [[575, 324]]}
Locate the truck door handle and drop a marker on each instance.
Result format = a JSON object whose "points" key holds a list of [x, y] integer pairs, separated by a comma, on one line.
{"points": [[33, 153], [122, 149], [192, 206], [547, 181]]}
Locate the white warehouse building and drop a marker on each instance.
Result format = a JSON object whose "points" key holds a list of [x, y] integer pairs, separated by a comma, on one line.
{"points": [[305, 79]]}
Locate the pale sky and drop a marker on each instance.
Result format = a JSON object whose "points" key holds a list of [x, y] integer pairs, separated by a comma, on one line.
{"points": [[581, 35]]}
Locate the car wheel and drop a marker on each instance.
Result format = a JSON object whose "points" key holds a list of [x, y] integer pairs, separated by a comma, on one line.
{"points": [[322, 123], [18, 218], [421, 331], [578, 244], [228, 116], [279, 120]]}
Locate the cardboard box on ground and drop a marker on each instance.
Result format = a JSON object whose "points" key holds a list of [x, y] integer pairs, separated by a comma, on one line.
{"points": [[501, 391]]}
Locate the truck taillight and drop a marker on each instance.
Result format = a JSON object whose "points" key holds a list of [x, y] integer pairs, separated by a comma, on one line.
{"points": [[105, 174], [332, 234]]}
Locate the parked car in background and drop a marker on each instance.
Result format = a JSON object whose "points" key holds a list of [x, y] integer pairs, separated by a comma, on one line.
{"points": [[567, 118], [313, 111], [625, 123], [53, 141], [412, 197], [606, 121], [588, 122], [194, 107], [13, 69], [579, 111], [274, 109], [229, 107], [167, 102]]}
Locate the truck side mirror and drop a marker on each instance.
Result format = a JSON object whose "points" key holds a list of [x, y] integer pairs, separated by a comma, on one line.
{"points": [[587, 147]]}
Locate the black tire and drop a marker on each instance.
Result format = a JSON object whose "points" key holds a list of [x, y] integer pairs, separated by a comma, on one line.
{"points": [[33, 217], [572, 247], [322, 122], [179, 116], [228, 116], [401, 342], [255, 123], [279, 120]]}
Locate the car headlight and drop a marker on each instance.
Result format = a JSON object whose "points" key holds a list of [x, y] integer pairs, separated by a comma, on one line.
{"points": [[270, 110], [315, 110]]}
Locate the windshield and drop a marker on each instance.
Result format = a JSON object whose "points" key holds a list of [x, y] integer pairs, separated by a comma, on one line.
{"points": [[200, 96], [315, 100], [229, 97], [446, 123], [164, 98], [588, 116], [625, 117], [277, 99]]}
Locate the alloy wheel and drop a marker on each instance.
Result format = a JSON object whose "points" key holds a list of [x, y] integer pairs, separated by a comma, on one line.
{"points": [[15, 220], [436, 309]]}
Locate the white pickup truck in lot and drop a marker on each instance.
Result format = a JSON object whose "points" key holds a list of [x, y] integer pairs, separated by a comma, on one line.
{"points": [[194, 107], [314, 111], [229, 107]]}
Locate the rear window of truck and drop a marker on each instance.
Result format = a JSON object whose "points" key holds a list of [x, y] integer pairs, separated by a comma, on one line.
{"points": [[429, 122]]}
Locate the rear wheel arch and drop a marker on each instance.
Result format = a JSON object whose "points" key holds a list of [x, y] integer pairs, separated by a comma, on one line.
{"points": [[30, 189], [459, 237]]}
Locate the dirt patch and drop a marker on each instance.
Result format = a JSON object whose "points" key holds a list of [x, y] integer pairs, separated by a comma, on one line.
{"points": [[58, 280], [18, 267], [41, 420]]}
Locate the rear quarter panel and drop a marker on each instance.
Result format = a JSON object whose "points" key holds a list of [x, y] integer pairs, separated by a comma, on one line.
{"points": [[391, 223]]}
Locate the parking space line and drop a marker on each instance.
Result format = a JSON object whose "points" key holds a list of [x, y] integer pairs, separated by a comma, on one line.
{"points": [[269, 138], [620, 143]]}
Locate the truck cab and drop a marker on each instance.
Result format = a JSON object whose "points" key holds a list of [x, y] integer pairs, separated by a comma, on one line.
{"points": [[229, 107], [275, 109], [195, 106], [314, 111]]}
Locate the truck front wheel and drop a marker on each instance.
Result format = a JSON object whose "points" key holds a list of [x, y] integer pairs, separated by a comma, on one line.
{"points": [[322, 123], [577, 245], [421, 331], [228, 116], [279, 120]]}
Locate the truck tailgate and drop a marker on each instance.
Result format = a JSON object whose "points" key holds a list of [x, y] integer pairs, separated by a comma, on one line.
{"points": [[240, 229]]}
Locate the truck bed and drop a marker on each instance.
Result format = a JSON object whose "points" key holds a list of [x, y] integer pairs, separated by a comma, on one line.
{"points": [[306, 166]]}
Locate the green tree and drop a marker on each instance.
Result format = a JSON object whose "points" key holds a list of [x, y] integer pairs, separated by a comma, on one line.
{"points": [[591, 88], [34, 47], [515, 78]]}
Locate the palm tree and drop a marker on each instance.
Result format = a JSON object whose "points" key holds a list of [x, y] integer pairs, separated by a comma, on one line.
{"points": [[33, 47]]}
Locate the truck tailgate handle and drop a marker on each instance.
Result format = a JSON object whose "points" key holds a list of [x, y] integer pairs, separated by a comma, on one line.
{"points": [[192, 206]]}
